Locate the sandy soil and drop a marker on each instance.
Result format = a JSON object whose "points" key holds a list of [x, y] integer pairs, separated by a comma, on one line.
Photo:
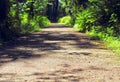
{"points": [[58, 54]]}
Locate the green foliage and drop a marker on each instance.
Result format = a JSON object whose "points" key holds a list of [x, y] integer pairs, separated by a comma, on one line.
{"points": [[113, 43], [78, 27], [21, 17], [65, 20], [100, 19], [44, 21], [26, 16], [87, 18]]}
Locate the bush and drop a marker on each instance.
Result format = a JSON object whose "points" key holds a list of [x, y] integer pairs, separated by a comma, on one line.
{"points": [[29, 25], [44, 21], [86, 19], [113, 43], [65, 20]]}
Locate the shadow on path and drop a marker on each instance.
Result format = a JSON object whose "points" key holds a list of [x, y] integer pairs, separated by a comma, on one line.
{"points": [[46, 41]]}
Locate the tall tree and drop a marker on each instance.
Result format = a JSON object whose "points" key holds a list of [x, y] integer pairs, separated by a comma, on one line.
{"points": [[4, 26], [52, 9]]}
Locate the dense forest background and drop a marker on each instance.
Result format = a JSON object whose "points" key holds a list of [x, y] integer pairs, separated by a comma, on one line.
{"points": [[98, 18]]}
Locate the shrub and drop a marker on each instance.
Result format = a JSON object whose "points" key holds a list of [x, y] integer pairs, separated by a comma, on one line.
{"points": [[65, 20], [113, 43], [44, 21]]}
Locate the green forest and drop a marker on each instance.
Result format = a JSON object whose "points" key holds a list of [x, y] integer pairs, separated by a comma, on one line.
{"points": [[98, 18]]}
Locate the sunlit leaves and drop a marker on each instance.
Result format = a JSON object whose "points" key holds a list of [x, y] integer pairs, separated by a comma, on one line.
{"points": [[65, 20], [24, 18], [26, 15]]}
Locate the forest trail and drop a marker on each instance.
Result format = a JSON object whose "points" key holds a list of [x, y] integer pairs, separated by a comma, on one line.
{"points": [[58, 54]]}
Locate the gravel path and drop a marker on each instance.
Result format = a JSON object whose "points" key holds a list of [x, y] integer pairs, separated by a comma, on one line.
{"points": [[58, 54]]}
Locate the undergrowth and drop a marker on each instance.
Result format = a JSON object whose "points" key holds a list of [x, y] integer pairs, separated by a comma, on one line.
{"points": [[106, 34], [112, 42], [65, 20], [28, 25]]}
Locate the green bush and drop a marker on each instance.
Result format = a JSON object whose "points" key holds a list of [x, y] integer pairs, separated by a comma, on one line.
{"points": [[113, 43], [26, 17], [86, 19], [26, 24], [33, 25], [78, 27], [44, 21], [65, 20]]}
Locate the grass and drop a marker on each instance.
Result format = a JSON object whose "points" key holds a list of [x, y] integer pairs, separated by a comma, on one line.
{"points": [[113, 43]]}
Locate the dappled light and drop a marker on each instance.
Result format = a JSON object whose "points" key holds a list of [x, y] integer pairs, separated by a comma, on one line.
{"points": [[57, 53], [50, 41], [59, 40]]}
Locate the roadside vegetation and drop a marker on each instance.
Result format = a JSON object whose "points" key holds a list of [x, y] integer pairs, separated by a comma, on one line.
{"points": [[99, 19], [19, 17]]}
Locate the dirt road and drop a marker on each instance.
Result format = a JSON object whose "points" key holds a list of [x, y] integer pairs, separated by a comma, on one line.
{"points": [[58, 54]]}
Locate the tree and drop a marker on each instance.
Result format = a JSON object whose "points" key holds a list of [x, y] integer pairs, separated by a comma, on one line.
{"points": [[52, 10], [4, 25], [21, 16]]}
